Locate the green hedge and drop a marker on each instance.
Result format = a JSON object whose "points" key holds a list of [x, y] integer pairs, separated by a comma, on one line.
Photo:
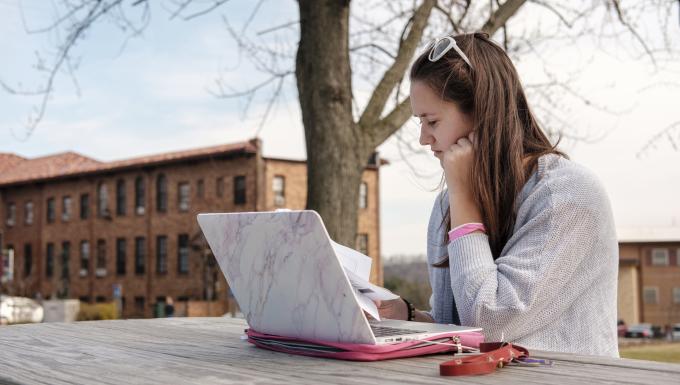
{"points": [[97, 311]]}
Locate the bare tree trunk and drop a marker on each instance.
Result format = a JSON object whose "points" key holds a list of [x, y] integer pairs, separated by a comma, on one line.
{"points": [[336, 152]]}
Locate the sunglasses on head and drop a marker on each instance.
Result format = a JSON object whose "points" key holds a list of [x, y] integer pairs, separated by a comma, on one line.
{"points": [[442, 45]]}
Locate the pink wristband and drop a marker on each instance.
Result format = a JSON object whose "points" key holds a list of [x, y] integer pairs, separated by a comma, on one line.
{"points": [[465, 229]]}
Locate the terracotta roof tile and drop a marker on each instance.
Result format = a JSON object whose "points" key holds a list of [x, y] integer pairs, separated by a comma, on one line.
{"points": [[7, 161], [15, 169]]}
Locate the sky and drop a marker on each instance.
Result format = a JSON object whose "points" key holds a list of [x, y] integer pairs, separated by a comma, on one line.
{"points": [[156, 92]]}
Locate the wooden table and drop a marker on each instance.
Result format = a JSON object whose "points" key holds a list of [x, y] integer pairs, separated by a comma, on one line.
{"points": [[210, 351]]}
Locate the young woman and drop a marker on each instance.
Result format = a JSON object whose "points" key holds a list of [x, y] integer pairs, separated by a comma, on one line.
{"points": [[522, 242]]}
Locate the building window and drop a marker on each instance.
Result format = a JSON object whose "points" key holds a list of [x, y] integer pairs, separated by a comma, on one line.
{"points": [[84, 206], [50, 210], [84, 258], [362, 243], [183, 192], [279, 187], [219, 187], [183, 253], [65, 258], [650, 295], [363, 195], [200, 188], [659, 257], [28, 213], [103, 201], [161, 254], [240, 190], [66, 208], [139, 195], [161, 193], [11, 214], [120, 256], [100, 299], [49, 260], [121, 197], [28, 259], [101, 258], [140, 255], [676, 295], [140, 305]]}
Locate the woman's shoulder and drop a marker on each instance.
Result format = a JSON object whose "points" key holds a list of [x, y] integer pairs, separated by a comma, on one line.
{"points": [[566, 180]]}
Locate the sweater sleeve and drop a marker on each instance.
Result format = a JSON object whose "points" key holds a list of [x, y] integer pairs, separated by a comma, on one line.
{"points": [[540, 272]]}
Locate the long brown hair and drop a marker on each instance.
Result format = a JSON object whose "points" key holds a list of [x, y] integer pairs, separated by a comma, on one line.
{"points": [[508, 134]]}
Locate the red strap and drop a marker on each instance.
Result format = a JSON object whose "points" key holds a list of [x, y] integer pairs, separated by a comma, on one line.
{"points": [[493, 354]]}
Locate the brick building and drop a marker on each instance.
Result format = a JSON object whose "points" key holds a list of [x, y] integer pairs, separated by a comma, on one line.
{"points": [[79, 228], [649, 277]]}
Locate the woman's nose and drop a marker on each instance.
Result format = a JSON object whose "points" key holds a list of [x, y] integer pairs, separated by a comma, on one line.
{"points": [[425, 137]]}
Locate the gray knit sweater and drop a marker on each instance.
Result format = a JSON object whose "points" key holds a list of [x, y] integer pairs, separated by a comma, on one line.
{"points": [[554, 285]]}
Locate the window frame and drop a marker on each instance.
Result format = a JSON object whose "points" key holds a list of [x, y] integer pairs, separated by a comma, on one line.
{"points": [[121, 256], [240, 195], [665, 256], [103, 201], [66, 208], [100, 267], [363, 195], [161, 254], [84, 206], [140, 195], [51, 210], [29, 213], [675, 292], [161, 193], [183, 196], [279, 196], [647, 289], [183, 254], [49, 260], [28, 259], [121, 197], [84, 258], [140, 255], [11, 214]]}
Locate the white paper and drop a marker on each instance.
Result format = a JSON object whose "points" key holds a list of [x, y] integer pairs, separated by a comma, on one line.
{"points": [[357, 266], [353, 260], [367, 305], [370, 290]]}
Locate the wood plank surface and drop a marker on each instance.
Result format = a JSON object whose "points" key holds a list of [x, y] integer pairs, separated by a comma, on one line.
{"points": [[211, 351]]}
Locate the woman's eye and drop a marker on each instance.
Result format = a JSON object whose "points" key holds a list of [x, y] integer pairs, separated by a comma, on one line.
{"points": [[432, 123]]}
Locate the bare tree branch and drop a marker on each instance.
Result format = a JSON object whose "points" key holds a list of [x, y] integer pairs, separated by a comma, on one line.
{"points": [[632, 30], [391, 77], [374, 46], [98, 8], [395, 119], [501, 16], [666, 133], [216, 4]]}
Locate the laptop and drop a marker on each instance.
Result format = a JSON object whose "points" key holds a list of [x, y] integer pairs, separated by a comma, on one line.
{"points": [[288, 281]]}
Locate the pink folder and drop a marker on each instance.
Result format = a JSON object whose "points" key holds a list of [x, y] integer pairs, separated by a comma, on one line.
{"points": [[365, 352]]}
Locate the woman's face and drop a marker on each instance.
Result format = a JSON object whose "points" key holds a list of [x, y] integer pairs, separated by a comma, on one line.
{"points": [[441, 122]]}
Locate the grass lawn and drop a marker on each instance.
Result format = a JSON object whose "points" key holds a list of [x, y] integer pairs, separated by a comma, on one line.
{"points": [[664, 352]]}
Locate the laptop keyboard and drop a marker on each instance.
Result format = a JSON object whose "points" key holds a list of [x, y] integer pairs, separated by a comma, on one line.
{"points": [[383, 331]]}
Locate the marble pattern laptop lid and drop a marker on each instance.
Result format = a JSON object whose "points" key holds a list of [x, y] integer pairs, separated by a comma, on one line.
{"points": [[285, 275]]}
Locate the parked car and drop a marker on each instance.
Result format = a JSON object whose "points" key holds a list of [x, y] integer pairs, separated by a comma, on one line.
{"points": [[675, 332], [640, 331], [15, 310], [622, 328]]}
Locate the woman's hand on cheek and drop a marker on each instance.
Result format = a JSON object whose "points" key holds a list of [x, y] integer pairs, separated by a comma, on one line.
{"points": [[457, 163]]}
